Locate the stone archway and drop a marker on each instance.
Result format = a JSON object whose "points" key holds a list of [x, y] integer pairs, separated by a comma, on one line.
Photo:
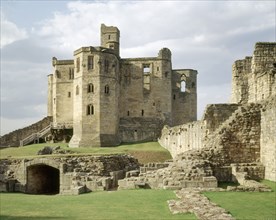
{"points": [[42, 179]]}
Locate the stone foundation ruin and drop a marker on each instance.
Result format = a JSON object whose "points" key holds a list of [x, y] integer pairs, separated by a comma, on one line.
{"points": [[64, 174]]}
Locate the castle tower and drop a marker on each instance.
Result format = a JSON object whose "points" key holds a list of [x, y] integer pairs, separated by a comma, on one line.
{"points": [[110, 38], [96, 94]]}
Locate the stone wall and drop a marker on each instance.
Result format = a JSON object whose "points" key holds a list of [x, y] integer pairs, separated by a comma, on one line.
{"points": [[268, 138], [240, 74], [193, 135], [76, 174], [184, 96], [215, 114], [12, 139], [134, 129], [238, 137], [254, 78], [182, 138], [60, 92]]}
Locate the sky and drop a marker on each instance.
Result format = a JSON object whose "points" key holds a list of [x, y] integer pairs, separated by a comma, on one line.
{"points": [[204, 35]]}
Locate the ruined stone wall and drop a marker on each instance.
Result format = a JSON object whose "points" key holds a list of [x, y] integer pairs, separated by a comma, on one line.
{"points": [[240, 73], [268, 138], [184, 96], [146, 88], [193, 135], [215, 114], [182, 138], [254, 78], [12, 139], [238, 136], [145, 97], [77, 174]]}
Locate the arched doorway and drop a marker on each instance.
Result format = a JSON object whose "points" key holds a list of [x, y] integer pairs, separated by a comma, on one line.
{"points": [[42, 179]]}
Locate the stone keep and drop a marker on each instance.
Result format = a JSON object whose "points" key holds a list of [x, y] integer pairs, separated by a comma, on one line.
{"points": [[106, 99]]}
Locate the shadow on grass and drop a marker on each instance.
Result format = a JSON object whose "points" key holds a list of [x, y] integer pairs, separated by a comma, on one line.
{"points": [[5, 217]]}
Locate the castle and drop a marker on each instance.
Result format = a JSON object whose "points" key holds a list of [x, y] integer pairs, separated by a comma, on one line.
{"points": [[101, 99]]}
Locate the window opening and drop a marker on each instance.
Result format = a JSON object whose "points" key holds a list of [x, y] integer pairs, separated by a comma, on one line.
{"points": [[90, 62], [183, 86], [146, 77], [158, 68], [174, 96], [69, 94], [90, 109], [78, 64], [77, 90], [127, 113], [106, 89], [57, 74], [166, 74], [71, 73], [90, 88], [106, 65], [146, 69], [109, 37], [142, 112]]}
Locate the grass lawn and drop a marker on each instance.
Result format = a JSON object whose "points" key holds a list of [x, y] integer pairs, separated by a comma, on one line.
{"points": [[126, 204], [144, 152], [248, 205]]}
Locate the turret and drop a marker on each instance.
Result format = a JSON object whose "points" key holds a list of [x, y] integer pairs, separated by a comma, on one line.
{"points": [[110, 38]]}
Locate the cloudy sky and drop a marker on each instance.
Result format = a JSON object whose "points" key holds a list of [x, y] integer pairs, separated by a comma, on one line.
{"points": [[204, 35]]}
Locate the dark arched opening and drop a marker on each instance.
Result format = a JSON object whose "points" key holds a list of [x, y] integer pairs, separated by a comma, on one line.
{"points": [[42, 179]]}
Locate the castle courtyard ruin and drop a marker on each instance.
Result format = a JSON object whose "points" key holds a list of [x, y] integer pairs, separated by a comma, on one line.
{"points": [[99, 99]]}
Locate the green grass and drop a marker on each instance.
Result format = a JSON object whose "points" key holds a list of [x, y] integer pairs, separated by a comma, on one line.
{"points": [[126, 204], [248, 205], [144, 152]]}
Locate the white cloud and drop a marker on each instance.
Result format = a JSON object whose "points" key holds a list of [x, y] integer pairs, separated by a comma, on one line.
{"points": [[10, 32]]}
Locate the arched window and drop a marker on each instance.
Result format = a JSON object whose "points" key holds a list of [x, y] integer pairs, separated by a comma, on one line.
{"points": [[106, 89], [77, 90], [90, 88], [90, 110], [182, 86]]}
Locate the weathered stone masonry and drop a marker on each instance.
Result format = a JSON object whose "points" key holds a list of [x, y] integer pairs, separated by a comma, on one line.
{"points": [[107, 99], [64, 174], [242, 132]]}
